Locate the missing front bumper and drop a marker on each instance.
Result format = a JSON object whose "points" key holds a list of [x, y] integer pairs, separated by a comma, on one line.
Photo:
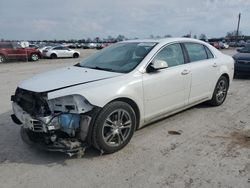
{"points": [[65, 145]]}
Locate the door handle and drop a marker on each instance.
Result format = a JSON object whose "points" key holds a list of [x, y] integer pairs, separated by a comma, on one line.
{"points": [[215, 65], [185, 72]]}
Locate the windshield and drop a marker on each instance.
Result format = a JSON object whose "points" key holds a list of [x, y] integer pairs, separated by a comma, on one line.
{"points": [[16, 45], [121, 57]]}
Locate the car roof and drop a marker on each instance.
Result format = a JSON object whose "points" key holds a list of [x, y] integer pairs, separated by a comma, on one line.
{"points": [[57, 46], [166, 40], [4, 42]]}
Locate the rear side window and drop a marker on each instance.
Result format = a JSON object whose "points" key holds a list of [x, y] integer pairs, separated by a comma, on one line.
{"points": [[172, 54], [196, 52], [58, 48], [209, 53], [5, 45]]}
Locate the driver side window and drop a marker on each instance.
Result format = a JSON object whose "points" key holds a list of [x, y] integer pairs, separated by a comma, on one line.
{"points": [[172, 54]]}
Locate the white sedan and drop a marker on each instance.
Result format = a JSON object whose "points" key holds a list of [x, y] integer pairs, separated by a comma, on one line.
{"points": [[105, 98], [60, 51]]}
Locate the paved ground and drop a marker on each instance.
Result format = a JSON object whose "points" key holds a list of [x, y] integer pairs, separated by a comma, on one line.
{"points": [[210, 152]]}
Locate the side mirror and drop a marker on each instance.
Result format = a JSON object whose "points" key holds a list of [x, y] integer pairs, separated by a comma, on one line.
{"points": [[157, 65], [238, 50]]}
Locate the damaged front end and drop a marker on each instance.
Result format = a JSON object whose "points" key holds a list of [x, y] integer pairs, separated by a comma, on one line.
{"points": [[59, 124]]}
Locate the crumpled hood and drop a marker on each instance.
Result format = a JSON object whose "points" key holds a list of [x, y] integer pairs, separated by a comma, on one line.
{"points": [[65, 77]]}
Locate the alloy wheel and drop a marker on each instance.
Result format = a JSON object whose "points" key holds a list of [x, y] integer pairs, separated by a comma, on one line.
{"points": [[1, 59], [34, 57], [117, 127], [221, 91]]}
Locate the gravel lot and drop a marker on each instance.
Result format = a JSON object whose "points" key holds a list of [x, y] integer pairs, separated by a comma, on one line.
{"points": [[210, 152]]}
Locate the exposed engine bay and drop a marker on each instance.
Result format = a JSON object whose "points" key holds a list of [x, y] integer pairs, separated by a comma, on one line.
{"points": [[59, 124]]}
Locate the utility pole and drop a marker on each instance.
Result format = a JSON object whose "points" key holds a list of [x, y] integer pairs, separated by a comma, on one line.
{"points": [[238, 27]]}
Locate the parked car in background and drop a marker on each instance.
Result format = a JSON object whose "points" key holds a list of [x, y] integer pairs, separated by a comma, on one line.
{"points": [[105, 98], [42, 49], [246, 49], [242, 61], [226, 46], [60, 51], [241, 43], [92, 45], [33, 46], [223, 45], [72, 45], [100, 46], [13, 50], [232, 44], [215, 44], [85, 46]]}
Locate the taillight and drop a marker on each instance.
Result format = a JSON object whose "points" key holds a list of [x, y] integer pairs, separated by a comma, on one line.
{"points": [[45, 51]]}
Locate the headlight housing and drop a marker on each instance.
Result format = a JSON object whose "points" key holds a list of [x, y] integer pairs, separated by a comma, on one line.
{"points": [[71, 104]]}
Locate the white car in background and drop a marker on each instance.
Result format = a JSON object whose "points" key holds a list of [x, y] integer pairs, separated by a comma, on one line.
{"points": [[92, 45], [44, 48], [60, 51], [105, 98], [223, 45]]}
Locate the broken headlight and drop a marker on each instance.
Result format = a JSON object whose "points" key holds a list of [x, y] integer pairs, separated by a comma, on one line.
{"points": [[70, 104], [68, 110]]}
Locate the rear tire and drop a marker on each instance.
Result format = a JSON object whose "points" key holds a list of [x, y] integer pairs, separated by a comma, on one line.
{"points": [[53, 56], [75, 55], [2, 59], [220, 92], [114, 127]]}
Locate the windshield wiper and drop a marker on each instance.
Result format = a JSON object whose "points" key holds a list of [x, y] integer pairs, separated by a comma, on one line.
{"points": [[101, 68], [96, 67], [78, 65]]}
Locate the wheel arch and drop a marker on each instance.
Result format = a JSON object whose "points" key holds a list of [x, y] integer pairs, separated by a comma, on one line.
{"points": [[53, 53], [76, 53], [227, 77], [4, 55], [133, 104]]}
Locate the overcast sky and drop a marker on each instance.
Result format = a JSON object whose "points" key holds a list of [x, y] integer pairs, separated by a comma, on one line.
{"points": [[76, 19]]}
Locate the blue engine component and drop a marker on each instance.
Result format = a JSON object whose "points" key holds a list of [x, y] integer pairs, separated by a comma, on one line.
{"points": [[69, 123]]}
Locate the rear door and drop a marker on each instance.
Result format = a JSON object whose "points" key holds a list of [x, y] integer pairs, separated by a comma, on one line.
{"points": [[7, 49], [19, 51], [204, 71], [66, 52], [168, 89], [59, 51]]}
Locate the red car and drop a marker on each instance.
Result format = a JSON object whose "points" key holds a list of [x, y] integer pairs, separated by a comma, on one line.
{"points": [[13, 50], [215, 44]]}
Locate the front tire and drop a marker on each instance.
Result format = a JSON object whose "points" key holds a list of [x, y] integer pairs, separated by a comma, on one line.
{"points": [[34, 57], [75, 55], [2, 59], [220, 91], [114, 127], [53, 56]]}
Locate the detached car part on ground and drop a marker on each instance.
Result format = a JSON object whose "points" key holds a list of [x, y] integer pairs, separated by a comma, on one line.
{"points": [[105, 98]]}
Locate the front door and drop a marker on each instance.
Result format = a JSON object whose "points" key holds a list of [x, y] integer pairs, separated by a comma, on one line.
{"points": [[18, 51], [168, 89]]}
